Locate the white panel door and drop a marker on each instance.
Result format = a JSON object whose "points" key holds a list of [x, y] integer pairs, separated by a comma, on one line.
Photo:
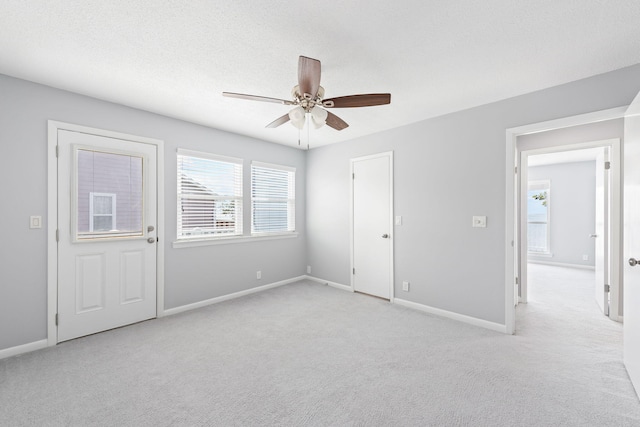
{"points": [[631, 237], [372, 213], [107, 239], [601, 234]]}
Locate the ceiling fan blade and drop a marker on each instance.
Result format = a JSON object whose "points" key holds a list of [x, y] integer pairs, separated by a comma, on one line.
{"points": [[308, 76], [336, 122], [365, 100], [256, 98], [279, 121]]}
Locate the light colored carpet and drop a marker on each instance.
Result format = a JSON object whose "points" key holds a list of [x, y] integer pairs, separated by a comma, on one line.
{"points": [[308, 354]]}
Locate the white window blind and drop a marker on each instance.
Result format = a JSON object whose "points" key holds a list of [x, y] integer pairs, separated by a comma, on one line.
{"points": [[273, 198], [209, 195]]}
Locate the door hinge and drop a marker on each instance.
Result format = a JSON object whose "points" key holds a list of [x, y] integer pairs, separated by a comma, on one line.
{"points": [[515, 170], [353, 176], [57, 151], [56, 319], [607, 288], [607, 165], [57, 235], [517, 281], [354, 271]]}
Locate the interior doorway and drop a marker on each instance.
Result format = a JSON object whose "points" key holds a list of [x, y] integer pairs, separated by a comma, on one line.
{"points": [[595, 126], [569, 215]]}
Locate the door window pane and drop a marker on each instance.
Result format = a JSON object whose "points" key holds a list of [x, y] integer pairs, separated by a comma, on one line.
{"points": [[109, 194]]}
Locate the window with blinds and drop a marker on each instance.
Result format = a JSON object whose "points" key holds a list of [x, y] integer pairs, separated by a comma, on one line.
{"points": [[273, 199], [538, 218], [209, 195]]}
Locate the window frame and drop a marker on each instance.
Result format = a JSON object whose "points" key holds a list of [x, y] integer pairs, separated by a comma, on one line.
{"points": [[237, 177], [92, 214], [542, 185], [290, 200]]}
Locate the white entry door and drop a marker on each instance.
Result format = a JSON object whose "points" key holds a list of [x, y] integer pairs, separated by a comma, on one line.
{"points": [[107, 239], [601, 234], [631, 237], [372, 268]]}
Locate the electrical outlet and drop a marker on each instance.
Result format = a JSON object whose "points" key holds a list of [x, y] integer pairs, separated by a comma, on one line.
{"points": [[259, 275], [585, 257], [405, 286], [308, 269]]}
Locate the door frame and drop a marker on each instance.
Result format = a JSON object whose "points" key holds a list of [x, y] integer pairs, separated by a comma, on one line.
{"points": [[511, 197], [389, 155], [615, 219], [52, 216]]}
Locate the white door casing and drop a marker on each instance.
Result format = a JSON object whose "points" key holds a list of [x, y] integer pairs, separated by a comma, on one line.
{"points": [[107, 278], [601, 231], [631, 274], [512, 195], [523, 287], [519, 218], [372, 225]]}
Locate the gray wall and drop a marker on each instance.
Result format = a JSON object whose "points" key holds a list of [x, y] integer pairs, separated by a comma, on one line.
{"points": [[191, 274], [447, 169], [572, 211]]}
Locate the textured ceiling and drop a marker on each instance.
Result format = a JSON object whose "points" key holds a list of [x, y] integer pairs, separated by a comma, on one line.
{"points": [[175, 57]]}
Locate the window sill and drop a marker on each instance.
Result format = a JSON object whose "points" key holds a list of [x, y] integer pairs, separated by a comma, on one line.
{"points": [[541, 254], [230, 240]]}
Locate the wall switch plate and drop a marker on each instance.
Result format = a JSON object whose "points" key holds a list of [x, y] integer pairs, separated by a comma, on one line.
{"points": [[35, 221], [405, 286], [479, 221], [585, 257], [308, 269], [259, 275], [398, 220]]}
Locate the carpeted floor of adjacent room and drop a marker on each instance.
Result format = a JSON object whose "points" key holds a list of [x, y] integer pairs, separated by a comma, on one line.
{"points": [[306, 354]]}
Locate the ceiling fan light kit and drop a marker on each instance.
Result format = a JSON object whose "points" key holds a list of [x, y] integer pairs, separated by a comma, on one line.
{"points": [[307, 96], [297, 117]]}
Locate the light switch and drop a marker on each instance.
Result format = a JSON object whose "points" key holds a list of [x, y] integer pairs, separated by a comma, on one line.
{"points": [[479, 221], [35, 221], [398, 220]]}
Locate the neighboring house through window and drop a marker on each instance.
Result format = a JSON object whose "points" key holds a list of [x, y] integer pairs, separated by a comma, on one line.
{"points": [[209, 195], [538, 226], [108, 194], [102, 212]]}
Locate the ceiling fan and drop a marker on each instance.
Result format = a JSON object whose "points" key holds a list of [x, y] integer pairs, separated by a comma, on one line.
{"points": [[308, 98]]}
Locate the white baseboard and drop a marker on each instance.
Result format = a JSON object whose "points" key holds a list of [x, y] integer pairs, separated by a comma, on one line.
{"points": [[562, 264], [451, 315], [234, 295], [24, 348], [330, 283]]}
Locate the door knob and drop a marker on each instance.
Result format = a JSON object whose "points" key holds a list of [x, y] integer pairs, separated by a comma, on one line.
{"points": [[633, 262], [151, 240], [150, 228], [385, 236]]}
